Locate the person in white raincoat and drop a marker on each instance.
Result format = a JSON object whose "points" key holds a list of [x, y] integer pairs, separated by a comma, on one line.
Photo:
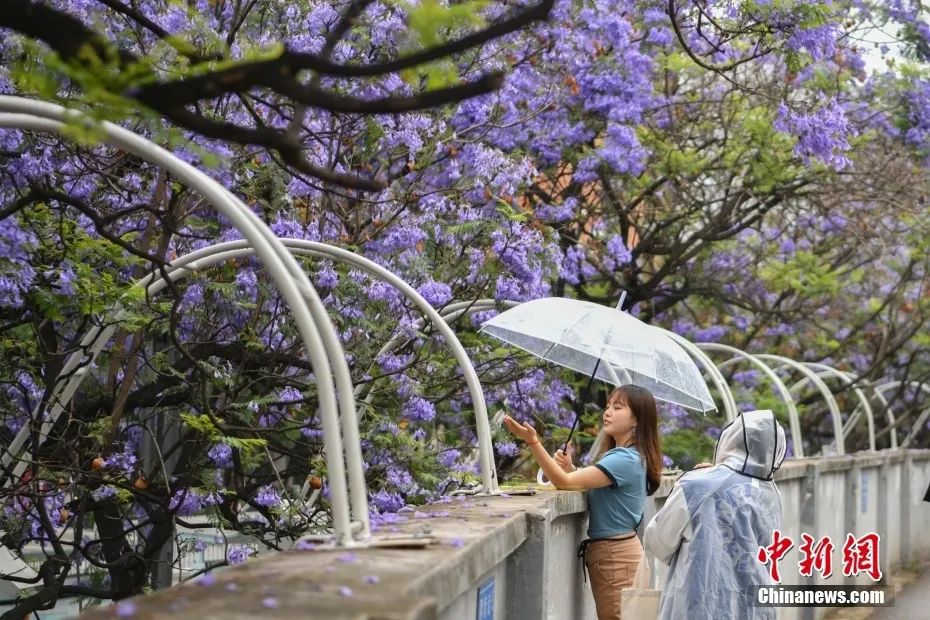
{"points": [[711, 527]]}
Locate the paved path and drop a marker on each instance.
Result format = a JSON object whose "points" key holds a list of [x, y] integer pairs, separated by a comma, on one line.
{"points": [[913, 602]]}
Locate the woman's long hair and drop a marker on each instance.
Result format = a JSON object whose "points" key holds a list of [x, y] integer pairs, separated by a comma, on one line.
{"points": [[646, 436]]}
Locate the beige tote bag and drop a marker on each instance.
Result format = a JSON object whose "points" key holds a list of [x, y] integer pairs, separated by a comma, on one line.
{"points": [[640, 602]]}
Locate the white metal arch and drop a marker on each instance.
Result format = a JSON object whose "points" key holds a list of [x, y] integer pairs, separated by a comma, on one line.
{"points": [[822, 387], [450, 313], [824, 370], [233, 249], [322, 344], [892, 422], [729, 403], [783, 391], [924, 415]]}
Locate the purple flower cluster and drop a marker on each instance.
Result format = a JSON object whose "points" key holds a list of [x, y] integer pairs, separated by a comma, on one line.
{"points": [[237, 554], [188, 502], [419, 409], [221, 455], [124, 462], [917, 105], [268, 497], [822, 135]]}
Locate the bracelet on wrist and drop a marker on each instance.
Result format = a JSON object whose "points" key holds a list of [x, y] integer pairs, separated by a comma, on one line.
{"points": [[532, 444]]}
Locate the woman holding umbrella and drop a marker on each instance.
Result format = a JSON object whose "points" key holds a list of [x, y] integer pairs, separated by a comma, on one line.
{"points": [[627, 467]]}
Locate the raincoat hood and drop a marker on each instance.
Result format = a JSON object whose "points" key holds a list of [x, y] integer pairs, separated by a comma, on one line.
{"points": [[753, 445]]}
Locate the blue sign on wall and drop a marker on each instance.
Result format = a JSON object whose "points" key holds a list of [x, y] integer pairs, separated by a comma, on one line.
{"points": [[486, 600]]}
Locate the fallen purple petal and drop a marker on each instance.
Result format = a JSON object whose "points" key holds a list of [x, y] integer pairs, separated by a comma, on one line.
{"points": [[305, 545], [231, 587], [457, 542], [347, 557], [207, 579], [126, 609], [345, 591], [270, 602], [371, 579]]}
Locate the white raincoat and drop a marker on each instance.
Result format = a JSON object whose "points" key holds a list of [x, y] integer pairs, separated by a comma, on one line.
{"points": [[710, 529]]}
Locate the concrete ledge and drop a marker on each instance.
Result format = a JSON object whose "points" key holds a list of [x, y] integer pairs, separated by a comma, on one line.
{"points": [[795, 468], [474, 534]]}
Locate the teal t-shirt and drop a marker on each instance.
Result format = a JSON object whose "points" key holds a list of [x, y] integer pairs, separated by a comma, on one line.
{"points": [[617, 509]]}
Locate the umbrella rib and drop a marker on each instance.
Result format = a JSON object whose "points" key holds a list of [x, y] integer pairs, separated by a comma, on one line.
{"points": [[567, 329]]}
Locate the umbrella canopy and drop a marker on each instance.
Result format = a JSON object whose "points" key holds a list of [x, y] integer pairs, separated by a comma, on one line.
{"points": [[607, 343]]}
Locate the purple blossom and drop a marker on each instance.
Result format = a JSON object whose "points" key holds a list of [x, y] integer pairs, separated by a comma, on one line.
{"points": [[819, 41], [126, 609], [437, 294], [448, 458], [221, 455], [238, 554], [207, 579], [268, 497], [387, 502], [186, 502], [617, 251], [104, 492], [714, 333], [124, 462], [419, 409], [822, 135], [507, 448]]}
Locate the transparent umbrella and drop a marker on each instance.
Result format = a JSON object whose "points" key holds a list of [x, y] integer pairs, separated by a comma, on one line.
{"points": [[606, 343]]}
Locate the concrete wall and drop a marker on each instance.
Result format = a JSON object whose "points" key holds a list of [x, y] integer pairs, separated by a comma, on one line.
{"points": [[524, 549]]}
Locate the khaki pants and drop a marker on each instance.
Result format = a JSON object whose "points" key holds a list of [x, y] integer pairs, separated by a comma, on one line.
{"points": [[611, 566]]}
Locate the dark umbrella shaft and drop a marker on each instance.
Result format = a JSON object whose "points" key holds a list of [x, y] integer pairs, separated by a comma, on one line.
{"points": [[584, 399]]}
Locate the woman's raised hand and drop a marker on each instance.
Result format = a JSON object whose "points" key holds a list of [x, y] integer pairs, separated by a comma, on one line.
{"points": [[522, 431]]}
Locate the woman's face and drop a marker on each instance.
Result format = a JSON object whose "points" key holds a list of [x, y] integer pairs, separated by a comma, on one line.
{"points": [[618, 418]]}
